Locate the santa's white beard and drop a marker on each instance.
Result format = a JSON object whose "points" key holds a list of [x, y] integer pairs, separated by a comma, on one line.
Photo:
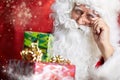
{"points": [[79, 47]]}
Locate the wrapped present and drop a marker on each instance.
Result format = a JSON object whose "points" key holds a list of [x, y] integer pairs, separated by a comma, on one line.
{"points": [[22, 70], [43, 40], [50, 71]]}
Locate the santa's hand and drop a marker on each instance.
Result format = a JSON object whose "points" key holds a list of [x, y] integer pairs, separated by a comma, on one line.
{"points": [[101, 35]]}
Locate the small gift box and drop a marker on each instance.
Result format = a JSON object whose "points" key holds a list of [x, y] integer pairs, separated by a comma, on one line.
{"points": [[42, 40]]}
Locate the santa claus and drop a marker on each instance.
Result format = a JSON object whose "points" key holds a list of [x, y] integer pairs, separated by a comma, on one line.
{"points": [[87, 33]]}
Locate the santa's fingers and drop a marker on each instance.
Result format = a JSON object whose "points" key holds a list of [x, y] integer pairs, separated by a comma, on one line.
{"points": [[98, 26], [94, 25], [96, 36], [98, 30]]}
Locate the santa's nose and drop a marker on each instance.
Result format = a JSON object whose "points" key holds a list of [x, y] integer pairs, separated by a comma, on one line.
{"points": [[82, 20]]}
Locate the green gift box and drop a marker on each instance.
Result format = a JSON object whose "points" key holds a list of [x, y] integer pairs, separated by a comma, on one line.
{"points": [[44, 41]]}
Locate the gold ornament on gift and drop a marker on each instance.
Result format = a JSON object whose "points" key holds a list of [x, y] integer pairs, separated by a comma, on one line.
{"points": [[59, 59], [32, 53]]}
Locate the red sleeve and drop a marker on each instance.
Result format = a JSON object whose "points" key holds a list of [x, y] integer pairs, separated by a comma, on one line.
{"points": [[100, 62]]}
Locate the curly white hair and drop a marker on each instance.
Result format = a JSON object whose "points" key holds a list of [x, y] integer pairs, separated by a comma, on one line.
{"points": [[78, 45]]}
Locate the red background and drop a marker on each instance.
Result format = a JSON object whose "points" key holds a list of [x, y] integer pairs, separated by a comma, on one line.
{"points": [[17, 16]]}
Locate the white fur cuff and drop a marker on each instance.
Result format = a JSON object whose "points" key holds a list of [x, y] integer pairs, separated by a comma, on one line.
{"points": [[110, 70]]}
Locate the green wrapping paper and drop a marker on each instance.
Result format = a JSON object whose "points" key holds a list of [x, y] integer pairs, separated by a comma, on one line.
{"points": [[44, 41]]}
